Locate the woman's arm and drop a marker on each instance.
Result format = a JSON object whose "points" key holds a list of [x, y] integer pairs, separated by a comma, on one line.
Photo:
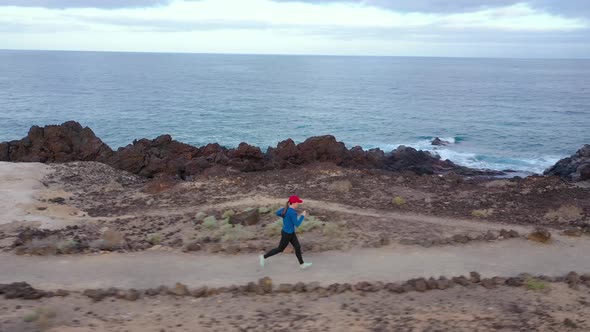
{"points": [[299, 220]]}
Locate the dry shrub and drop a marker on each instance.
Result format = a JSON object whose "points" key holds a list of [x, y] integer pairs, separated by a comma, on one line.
{"points": [[484, 213], [565, 213]]}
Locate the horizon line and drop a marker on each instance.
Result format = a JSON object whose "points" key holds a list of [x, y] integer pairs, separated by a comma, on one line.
{"points": [[290, 54]]}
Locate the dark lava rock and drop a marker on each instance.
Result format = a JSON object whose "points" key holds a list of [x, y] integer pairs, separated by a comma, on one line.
{"points": [[419, 284], [165, 156], [515, 282], [192, 246], [439, 142], [246, 218], [56, 143], [460, 238], [443, 283], [488, 283], [461, 281], [474, 277], [21, 290], [96, 294], [573, 168], [57, 200], [132, 295]]}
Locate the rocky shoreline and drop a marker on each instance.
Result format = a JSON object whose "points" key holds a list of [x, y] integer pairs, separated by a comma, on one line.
{"points": [[164, 156]]}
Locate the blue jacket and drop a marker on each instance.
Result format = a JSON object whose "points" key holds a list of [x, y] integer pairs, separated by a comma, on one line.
{"points": [[290, 220]]}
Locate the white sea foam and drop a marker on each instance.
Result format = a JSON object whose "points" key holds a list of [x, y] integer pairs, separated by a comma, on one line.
{"points": [[480, 161]]}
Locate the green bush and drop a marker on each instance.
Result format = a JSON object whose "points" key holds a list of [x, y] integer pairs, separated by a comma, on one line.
{"points": [[310, 223], [536, 284], [31, 317], [228, 214], [398, 201], [154, 239], [210, 222], [263, 210], [200, 216]]}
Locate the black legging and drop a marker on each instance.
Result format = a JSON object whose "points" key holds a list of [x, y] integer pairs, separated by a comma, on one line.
{"points": [[285, 239]]}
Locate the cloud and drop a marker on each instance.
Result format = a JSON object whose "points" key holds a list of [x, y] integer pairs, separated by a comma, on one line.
{"points": [[62, 4], [572, 8], [273, 26]]}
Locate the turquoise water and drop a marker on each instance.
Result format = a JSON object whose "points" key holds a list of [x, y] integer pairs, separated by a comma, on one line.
{"points": [[499, 113]]}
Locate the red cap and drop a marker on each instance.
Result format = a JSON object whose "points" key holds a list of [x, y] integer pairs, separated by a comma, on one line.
{"points": [[295, 199]]}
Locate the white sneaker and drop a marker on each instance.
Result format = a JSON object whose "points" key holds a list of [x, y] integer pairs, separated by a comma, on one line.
{"points": [[305, 266], [262, 260]]}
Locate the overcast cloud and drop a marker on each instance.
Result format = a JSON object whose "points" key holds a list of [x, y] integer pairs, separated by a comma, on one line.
{"points": [[533, 28]]}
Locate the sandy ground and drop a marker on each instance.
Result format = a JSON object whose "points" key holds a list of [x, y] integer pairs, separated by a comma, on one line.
{"points": [[22, 192], [369, 246], [20, 183], [458, 309]]}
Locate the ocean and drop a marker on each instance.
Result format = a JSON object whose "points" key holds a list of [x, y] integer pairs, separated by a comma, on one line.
{"points": [[500, 114]]}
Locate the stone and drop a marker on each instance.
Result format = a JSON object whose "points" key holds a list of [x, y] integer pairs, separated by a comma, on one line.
{"points": [[513, 234], [474, 277], [488, 283], [95, 294], [439, 142], [132, 295], [200, 292], [342, 186], [419, 284], [515, 282], [460, 238], [180, 290], [312, 286], [285, 288], [443, 283], [21, 290], [246, 218], [431, 283], [573, 168], [192, 246], [461, 280], [299, 287]]}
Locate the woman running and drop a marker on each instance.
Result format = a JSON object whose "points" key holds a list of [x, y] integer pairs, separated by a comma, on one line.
{"points": [[290, 222]]}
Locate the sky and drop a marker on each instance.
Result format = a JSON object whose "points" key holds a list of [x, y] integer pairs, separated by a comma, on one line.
{"points": [[454, 28]]}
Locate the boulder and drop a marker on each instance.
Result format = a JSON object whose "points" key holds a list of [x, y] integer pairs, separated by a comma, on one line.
{"points": [[246, 218], [180, 290], [132, 295], [474, 277], [56, 143], [488, 283], [439, 142], [21, 290], [573, 168], [192, 246]]}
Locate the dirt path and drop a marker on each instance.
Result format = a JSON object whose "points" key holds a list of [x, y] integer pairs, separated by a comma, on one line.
{"points": [[150, 269]]}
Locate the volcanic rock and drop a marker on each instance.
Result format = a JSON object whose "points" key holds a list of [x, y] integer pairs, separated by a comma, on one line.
{"points": [[573, 168]]}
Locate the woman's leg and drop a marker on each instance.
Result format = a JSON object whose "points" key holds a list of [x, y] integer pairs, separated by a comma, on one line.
{"points": [[285, 237], [297, 246]]}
